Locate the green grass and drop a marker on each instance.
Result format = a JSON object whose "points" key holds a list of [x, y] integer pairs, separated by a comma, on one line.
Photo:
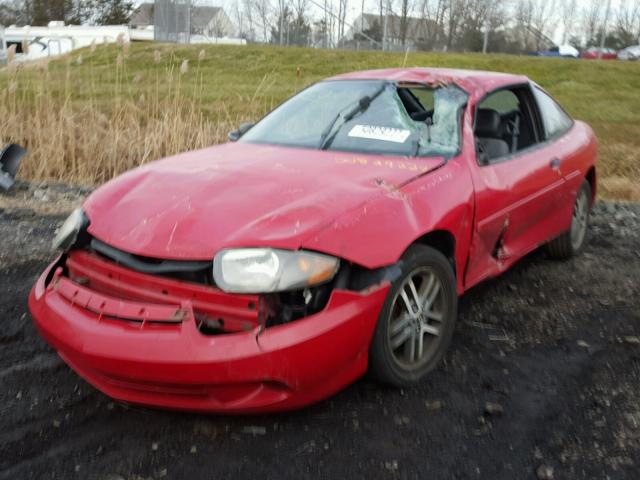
{"points": [[233, 83]]}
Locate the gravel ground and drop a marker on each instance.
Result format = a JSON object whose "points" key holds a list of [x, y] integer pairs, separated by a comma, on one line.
{"points": [[542, 381]]}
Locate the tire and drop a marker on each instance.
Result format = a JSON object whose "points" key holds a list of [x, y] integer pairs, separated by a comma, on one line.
{"points": [[571, 242], [431, 326]]}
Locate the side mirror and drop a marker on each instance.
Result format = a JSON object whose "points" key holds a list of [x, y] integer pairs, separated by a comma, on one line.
{"points": [[235, 135]]}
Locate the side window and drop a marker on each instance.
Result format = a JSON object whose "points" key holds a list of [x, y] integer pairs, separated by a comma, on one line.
{"points": [[554, 118], [502, 101], [503, 124]]}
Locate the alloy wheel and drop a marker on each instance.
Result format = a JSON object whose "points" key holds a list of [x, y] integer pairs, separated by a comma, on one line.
{"points": [[415, 323]]}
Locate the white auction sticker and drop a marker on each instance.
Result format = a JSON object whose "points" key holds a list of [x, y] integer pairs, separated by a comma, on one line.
{"points": [[386, 134]]}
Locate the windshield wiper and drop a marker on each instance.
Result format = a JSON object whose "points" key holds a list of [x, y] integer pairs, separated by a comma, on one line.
{"points": [[361, 106]]}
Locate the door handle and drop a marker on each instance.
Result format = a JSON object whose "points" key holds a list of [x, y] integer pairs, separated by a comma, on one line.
{"points": [[555, 163]]}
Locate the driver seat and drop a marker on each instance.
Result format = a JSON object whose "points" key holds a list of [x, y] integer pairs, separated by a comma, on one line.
{"points": [[488, 132]]}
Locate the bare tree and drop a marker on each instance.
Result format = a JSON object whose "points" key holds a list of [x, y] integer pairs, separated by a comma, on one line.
{"points": [[248, 7], [342, 15], [300, 8], [628, 22], [263, 10], [15, 12], [475, 18], [523, 16], [240, 18], [455, 13], [592, 20], [405, 10], [568, 13], [432, 15], [543, 19], [281, 14]]}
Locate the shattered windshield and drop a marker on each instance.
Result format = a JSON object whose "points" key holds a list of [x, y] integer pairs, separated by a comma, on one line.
{"points": [[367, 116]]}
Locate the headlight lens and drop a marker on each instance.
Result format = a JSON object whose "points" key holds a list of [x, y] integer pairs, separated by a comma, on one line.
{"points": [[261, 270], [67, 234]]}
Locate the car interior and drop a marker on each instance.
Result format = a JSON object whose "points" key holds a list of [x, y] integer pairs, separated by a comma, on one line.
{"points": [[417, 110], [504, 121], [504, 124]]}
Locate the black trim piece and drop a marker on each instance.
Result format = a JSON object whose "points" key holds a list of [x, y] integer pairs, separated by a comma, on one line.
{"points": [[147, 264]]}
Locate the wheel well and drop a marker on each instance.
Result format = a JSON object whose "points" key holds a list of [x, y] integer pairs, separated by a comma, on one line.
{"points": [[591, 178], [443, 241]]}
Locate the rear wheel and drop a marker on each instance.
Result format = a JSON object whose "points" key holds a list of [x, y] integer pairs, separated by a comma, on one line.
{"points": [[417, 320], [572, 241]]}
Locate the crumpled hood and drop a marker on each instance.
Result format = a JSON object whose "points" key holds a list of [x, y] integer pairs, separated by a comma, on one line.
{"points": [[192, 205]]}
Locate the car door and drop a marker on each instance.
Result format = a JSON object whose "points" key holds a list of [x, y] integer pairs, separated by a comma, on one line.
{"points": [[567, 147], [518, 188]]}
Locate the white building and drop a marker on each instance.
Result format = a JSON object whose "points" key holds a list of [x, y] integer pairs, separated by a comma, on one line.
{"points": [[205, 21]]}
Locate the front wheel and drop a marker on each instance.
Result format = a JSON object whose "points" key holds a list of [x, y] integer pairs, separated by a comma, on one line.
{"points": [[572, 241], [417, 320]]}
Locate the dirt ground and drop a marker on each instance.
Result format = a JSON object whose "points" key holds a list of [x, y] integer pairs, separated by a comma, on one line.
{"points": [[542, 381]]}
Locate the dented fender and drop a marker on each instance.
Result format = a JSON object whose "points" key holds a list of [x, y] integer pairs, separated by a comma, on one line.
{"points": [[385, 226]]}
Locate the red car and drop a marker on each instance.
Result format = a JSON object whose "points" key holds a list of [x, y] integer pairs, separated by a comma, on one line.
{"points": [[331, 238], [593, 53]]}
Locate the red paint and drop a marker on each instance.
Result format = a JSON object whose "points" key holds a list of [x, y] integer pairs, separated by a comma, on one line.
{"points": [[175, 366], [238, 194], [134, 336]]}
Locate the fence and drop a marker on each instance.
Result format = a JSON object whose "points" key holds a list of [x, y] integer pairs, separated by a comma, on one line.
{"points": [[172, 21]]}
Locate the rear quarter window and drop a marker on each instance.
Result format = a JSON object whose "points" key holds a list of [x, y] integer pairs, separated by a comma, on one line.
{"points": [[555, 120]]}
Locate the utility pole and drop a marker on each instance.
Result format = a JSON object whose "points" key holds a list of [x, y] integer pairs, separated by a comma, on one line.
{"points": [[485, 42], [603, 34], [325, 43], [281, 2], [384, 30]]}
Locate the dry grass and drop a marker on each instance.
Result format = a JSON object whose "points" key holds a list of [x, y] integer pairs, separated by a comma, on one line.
{"points": [[73, 135], [101, 111], [620, 171]]}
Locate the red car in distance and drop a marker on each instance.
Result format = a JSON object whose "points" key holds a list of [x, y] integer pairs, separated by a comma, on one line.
{"points": [[331, 238], [593, 53]]}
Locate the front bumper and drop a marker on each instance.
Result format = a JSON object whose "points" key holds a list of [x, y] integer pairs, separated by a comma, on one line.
{"points": [[173, 365]]}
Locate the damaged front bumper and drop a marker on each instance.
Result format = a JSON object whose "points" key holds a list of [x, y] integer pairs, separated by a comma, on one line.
{"points": [[153, 352]]}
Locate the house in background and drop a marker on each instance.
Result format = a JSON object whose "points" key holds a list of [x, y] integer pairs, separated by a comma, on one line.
{"points": [[206, 21]]}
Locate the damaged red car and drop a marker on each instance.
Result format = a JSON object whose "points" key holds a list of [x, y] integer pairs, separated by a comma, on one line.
{"points": [[330, 239]]}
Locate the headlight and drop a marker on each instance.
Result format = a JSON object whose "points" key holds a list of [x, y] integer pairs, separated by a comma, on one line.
{"points": [[67, 234], [261, 270]]}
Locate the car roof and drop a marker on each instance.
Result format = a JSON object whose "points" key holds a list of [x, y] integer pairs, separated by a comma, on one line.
{"points": [[475, 82]]}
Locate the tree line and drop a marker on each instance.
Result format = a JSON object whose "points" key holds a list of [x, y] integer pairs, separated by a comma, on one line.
{"points": [[513, 26], [73, 12], [460, 25]]}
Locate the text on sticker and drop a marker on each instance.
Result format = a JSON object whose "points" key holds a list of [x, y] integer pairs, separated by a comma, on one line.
{"points": [[374, 132]]}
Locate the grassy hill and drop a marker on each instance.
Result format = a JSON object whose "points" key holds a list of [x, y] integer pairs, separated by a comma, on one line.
{"points": [[100, 111]]}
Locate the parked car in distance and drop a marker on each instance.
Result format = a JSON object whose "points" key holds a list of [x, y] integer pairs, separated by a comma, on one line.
{"points": [[593, 53], [566, 51], [630, 53], [331, 238]]}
